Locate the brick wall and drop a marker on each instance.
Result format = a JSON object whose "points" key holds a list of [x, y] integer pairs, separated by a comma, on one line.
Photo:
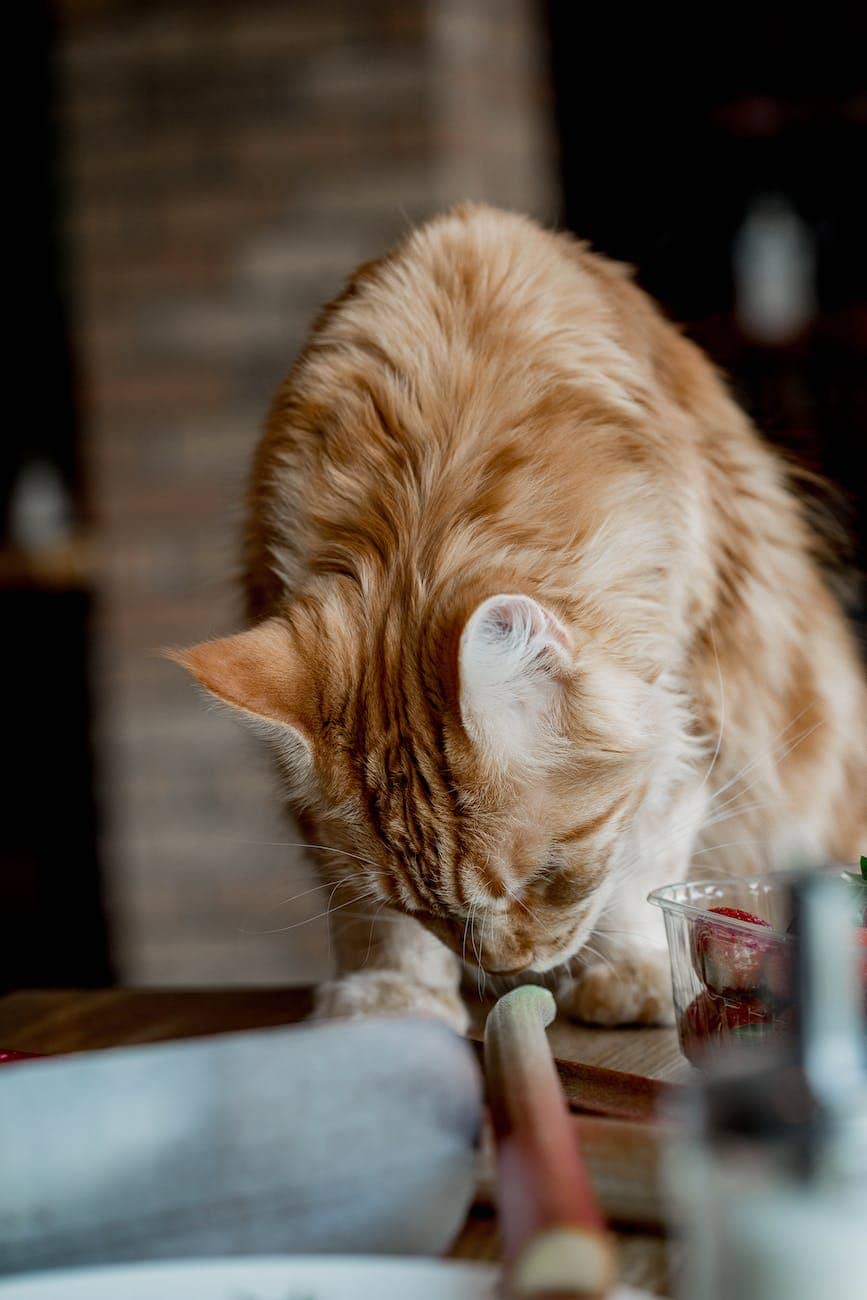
{"points": [[226, 166]]}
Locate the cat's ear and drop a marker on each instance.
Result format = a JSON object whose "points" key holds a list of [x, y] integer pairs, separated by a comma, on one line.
{"points": [[515, 660], [258, 674]]}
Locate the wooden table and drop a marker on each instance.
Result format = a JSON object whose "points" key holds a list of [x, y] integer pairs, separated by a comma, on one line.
{"points": [[78, 1020]]}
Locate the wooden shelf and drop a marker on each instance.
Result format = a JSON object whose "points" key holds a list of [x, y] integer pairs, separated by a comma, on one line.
{"points": [[65, 567]]}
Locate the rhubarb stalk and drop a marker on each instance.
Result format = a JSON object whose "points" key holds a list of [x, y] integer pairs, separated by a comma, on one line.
{"points": [[553, 1235]]}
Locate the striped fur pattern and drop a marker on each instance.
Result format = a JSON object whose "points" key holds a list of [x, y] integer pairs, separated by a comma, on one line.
{"points": [[537, 624]]}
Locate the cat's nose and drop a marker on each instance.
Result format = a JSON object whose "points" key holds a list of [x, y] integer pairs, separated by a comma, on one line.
{"points": [[509, 970], [512, 958]]}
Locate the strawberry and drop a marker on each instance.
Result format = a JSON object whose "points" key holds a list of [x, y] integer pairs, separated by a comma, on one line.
{"points": [[709, 1018], [730, 960], [738, 914]]}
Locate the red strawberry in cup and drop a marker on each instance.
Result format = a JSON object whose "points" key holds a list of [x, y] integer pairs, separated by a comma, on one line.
{"points": [[709, 1018], [730, 960]]}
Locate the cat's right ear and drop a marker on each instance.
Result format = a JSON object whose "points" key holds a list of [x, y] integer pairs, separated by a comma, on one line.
{"points": [[514, 663], [258, 674]]}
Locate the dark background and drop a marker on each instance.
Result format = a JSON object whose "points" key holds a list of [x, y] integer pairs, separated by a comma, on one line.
{"points": [[202, 176], [668, 145]]}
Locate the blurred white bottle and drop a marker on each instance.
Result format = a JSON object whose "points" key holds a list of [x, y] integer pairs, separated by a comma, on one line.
{"points": [[774, 260], [40, 512]]}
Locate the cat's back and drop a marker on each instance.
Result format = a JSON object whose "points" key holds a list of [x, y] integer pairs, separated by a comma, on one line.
{"points": [[441, 387]]}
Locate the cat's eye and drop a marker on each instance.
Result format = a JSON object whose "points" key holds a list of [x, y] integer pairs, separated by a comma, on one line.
{"points": [[554, 861]]}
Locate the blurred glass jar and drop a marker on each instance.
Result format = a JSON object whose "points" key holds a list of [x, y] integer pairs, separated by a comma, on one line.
{"points": [[769, 1178]]}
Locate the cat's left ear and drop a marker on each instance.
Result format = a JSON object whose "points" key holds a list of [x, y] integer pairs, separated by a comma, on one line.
{"points": [[255, 672], [515, 661], [260, 675]]}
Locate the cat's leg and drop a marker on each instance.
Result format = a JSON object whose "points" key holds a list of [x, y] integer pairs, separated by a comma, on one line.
{"points": [[624, 976], [389, 964]]}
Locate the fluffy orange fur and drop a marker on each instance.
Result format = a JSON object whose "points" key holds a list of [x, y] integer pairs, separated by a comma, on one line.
{"points": [[537, 625]]}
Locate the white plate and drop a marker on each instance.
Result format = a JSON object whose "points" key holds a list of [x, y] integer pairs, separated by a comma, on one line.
{"points": [[263, 1278], [269, 1278]]}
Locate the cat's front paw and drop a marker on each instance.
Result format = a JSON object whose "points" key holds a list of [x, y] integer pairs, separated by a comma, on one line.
{"points": [[386, 993], [625, 991]]}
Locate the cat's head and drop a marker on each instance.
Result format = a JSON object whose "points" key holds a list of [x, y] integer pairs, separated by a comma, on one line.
{"points": [[477, 754]]}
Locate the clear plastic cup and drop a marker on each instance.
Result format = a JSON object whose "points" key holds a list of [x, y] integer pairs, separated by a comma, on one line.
{"points": [[730, 977]]}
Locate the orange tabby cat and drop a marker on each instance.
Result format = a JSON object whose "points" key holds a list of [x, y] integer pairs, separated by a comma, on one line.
{"points": [[536, 623]]}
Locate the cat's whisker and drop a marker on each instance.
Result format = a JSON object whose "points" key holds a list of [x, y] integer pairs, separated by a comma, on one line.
{"points": [[729, 844], [673, 835], [766, 752], [466, 924], [329, 909], [319, 848], [284, 902], [478, 955], [305, 893], [722, 703], [594, 952], [373, 921], [490, 936], [281, 929], [380, 917], [704, 871], [480, 970], [730, 807], [328, 918], [528, 910], [728, 810], [778, 758], [741, 811], [614, 932]]}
